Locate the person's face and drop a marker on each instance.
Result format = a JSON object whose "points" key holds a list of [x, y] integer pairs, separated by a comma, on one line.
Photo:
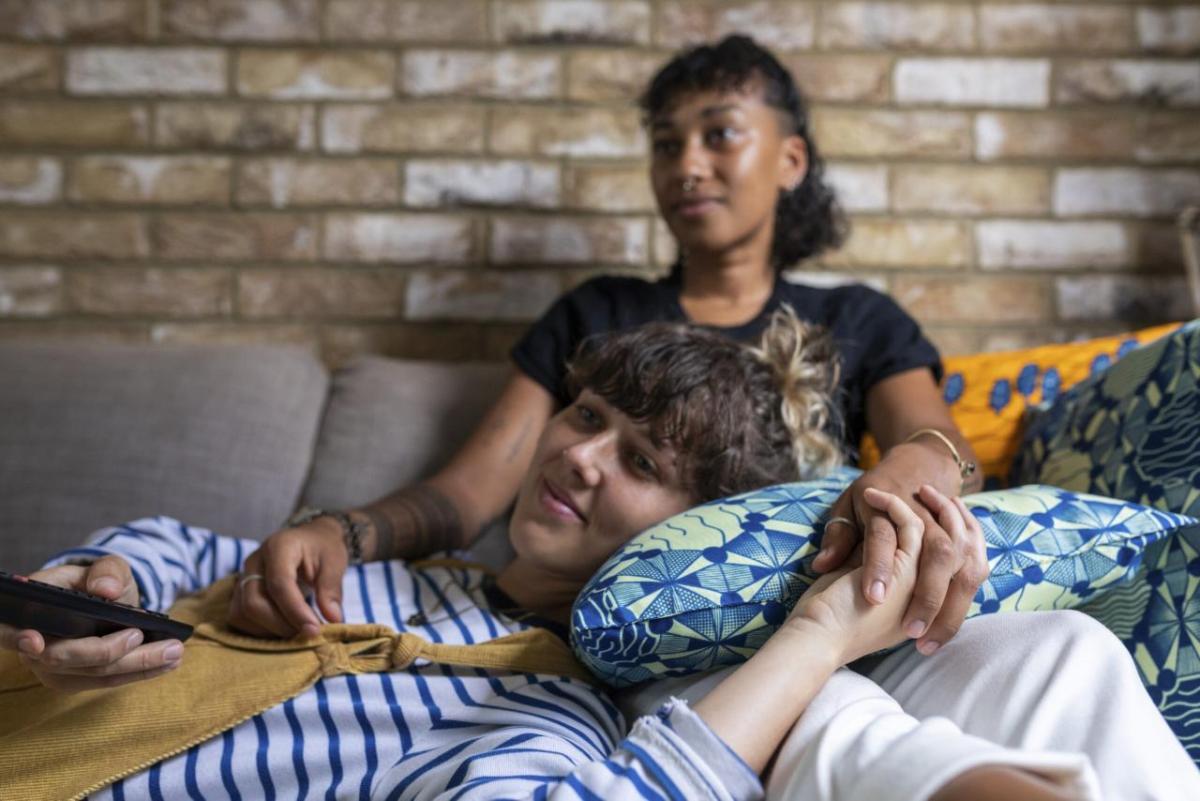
{"points": [[596, 480], [718, 163]]}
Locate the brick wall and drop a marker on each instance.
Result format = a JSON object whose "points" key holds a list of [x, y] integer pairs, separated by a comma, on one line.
{"points": [[422, 178]]}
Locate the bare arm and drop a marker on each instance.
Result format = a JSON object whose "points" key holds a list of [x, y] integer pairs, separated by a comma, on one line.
{"points": [[446, 511], [908, 402], [475, 487]]}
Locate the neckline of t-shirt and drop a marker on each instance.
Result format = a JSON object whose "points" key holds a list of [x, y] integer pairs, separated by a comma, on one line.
{"points": [[673, 286]]}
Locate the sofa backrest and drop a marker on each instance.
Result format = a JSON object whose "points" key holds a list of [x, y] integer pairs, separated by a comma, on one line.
{"points": [[93, 435]]}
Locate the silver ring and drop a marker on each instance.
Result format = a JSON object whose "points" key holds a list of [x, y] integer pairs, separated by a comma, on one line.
{"points": [[840, 519], [249, 577], [689, 184]]}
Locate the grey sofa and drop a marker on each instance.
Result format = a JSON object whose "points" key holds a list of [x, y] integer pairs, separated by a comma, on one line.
{"points": [[231, 438]]}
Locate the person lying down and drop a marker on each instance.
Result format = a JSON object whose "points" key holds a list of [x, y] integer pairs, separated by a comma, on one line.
{"points": [[383, 706]]}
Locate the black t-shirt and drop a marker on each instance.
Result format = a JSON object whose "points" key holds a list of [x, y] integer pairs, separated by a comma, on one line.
{"points": [[874, 336]]}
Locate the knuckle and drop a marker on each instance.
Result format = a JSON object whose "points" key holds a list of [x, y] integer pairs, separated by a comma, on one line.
{"points": [[940, 549], [972, 575], [53, 659]]}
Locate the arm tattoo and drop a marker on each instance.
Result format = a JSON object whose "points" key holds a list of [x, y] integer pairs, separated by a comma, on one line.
{"points": [[415, 522]]}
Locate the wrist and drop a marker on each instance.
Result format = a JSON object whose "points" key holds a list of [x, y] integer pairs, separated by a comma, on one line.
{"points": [[821, 647], [928, 460], [352, 530], [964, 466]]}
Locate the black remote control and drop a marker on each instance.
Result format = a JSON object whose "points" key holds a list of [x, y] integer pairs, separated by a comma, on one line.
{"points": [[57, 612]]}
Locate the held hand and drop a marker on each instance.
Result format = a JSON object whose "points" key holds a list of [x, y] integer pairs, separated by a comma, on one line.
{"points": [[953, 559], [836, 606], [92, 663], [268, 600]]}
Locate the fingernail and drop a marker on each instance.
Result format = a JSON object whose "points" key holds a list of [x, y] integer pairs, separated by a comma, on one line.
{"points": [[134, 639], [173, 652], [915, 628], [878, 591], [106, 584], [928, 647], [25, 645], [337, 610]]}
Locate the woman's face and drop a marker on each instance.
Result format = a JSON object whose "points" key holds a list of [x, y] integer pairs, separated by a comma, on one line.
{"points": [[718, 163], [596, 480]]}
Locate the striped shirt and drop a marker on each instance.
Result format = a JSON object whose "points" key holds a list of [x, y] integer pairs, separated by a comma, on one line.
{"points": [[429, 731]]}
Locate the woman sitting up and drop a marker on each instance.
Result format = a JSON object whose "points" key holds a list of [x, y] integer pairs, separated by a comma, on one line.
{"points": [[663, 418]]}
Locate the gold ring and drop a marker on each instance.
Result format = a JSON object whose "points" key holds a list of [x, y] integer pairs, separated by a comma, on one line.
{"points": [[839, 519], [249, 577]]}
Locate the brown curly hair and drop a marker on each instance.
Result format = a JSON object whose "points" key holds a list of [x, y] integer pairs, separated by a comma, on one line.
{"points": [[740, 417]]}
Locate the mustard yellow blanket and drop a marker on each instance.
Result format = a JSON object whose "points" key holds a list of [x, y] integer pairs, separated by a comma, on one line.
{"points": [[57, 746]]}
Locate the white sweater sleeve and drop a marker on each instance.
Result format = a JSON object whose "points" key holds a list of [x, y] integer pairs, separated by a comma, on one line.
{"points": [[670, 755], [168, 558]]}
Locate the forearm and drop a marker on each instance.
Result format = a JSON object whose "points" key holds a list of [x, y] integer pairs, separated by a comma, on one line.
{"points": [[929, 457], [757, 705], [414, 522]]}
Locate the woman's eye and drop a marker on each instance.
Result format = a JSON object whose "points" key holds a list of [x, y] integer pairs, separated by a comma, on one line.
{"points": [[722, 135], [586, 415], [643, 465], [665, 147]]}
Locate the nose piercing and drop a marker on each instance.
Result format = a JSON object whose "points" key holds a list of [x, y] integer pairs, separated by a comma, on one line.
{"points": [[689, 184]]}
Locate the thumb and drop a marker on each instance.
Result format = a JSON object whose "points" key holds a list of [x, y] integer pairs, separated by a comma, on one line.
{"points": [[110, 577], [328, 585]]}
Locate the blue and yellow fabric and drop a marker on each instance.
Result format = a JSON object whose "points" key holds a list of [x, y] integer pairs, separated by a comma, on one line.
{"points": [[1134, 432], [989, 393], [707, 587]]}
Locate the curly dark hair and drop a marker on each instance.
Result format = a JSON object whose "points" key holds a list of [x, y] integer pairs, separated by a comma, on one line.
{"points": [[740, 417], [808, 219]]}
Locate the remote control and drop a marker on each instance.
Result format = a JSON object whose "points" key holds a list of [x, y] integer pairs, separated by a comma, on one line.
{"points": [[29, 604]]}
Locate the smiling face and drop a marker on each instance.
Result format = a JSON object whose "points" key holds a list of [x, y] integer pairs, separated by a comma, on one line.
{"points": [[596, 480], [719, 162]]}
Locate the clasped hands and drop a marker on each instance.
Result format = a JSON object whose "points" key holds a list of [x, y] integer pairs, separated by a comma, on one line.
{"points": [[953, 559]]}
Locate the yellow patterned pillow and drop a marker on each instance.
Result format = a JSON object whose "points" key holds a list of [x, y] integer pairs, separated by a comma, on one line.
{"points": [[988, 393]]}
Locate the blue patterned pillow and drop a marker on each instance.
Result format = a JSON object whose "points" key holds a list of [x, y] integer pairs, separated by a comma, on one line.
{"points": [[1134, 432], [707, 587]]}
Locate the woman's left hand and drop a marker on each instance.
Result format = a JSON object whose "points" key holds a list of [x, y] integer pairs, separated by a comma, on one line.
{"points": [[953, 559]]}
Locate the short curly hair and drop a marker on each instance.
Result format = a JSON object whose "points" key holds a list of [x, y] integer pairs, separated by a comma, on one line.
{"points": [[808, 219], [740, 417]]}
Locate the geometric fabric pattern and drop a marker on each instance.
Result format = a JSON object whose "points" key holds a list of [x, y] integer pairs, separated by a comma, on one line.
{"points": [[1134, 432], [706, 588], [989, 393]]}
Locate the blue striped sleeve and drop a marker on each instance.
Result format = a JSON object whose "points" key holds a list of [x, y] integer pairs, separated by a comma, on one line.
{"points": [[673, 756], [168, 558]]}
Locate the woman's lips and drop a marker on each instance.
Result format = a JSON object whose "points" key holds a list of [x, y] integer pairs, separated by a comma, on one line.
{"points": [[697, 207], [558, 503]]}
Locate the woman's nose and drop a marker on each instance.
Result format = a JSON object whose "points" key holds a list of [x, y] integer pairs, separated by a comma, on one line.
{"points": [[693, 159], [588, 458]]}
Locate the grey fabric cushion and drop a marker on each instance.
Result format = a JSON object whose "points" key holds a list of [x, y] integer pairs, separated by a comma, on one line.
{"points": [[94, 435], [390, 423]]}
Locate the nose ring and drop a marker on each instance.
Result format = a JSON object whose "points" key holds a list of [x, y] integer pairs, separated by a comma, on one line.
{"points": [[689, 185]]}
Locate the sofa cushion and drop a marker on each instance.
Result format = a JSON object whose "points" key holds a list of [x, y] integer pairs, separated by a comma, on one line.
{"points": [[391, 422], [93, 435], [990, 393]]}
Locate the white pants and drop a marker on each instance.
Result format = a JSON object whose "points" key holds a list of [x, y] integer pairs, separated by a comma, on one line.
{"points": [[1052, 692]]}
